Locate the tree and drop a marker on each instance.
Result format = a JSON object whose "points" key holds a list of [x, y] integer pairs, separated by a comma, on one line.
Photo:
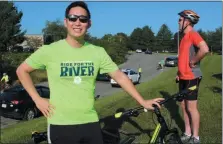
{"points": [[54, 31], [148, 38], [135, 39], [164, 38], [215, 39], [34, 42], [10, 32]]}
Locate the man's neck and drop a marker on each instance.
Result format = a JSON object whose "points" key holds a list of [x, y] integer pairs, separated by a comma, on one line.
{"points": [[75, 43], [188, 29]]}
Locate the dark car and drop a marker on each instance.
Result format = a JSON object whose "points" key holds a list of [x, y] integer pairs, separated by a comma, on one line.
{"points": [[16, 102], [148, 52], [103, 77], [171, 61]]}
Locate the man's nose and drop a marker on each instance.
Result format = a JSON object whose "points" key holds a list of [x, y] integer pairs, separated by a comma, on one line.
{"points": [[77, 22]]}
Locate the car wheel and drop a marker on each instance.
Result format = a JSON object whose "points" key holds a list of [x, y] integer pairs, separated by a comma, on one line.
{"points": [[29, 114]]}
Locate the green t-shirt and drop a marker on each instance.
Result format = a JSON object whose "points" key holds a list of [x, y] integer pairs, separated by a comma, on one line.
{"points": [[71, 77]]}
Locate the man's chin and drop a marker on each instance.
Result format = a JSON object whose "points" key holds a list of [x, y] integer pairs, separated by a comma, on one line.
{"points": [[77, 36]]}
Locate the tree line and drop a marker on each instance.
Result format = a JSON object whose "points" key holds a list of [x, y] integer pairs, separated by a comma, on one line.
{"points": [[116, 45]]}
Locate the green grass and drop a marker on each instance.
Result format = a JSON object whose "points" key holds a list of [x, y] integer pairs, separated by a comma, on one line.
{"points": [[210, 107]]}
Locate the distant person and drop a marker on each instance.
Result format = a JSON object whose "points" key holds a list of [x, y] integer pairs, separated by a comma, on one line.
{"points": [[140, 72], [72, 65], [5, 78], [192, 50], [5, 81], [161, 64]]}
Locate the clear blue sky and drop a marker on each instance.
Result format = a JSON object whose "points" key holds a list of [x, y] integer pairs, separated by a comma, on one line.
{"points": [[114, 17]]}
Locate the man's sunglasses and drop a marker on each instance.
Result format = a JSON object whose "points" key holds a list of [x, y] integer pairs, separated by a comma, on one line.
{"points": [[180, 20], [73, 18]]}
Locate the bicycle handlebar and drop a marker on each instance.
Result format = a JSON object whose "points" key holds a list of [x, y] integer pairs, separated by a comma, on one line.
{"points": [[135, 111]]}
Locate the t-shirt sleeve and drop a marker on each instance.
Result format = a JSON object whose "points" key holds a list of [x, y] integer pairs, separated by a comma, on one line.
{"points": [[106, 64], [196, 38], [38, 59]]}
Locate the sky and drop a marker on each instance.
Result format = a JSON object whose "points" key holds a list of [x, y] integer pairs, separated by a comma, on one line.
{"points": [[114, 17]]}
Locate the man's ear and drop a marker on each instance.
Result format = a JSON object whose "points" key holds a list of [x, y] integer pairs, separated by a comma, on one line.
{"points": [[65, 22], [89, 24]]}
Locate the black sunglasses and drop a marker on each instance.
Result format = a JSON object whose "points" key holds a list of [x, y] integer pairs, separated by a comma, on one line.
{"points": [[73, 18], [180, 20]]}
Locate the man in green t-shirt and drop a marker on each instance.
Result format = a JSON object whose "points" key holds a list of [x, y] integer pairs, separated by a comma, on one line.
{"points": [[72, 66]]}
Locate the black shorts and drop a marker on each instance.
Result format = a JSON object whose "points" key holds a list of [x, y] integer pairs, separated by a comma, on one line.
{"points": [[89, 133], [183, 84]]}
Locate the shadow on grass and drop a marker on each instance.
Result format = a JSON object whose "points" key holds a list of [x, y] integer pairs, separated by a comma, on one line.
{"points": [[173, 109], [216, 89], [217, 76], [112, 128]]}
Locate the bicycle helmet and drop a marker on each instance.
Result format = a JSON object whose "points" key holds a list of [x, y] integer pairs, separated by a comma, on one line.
{"points": [[190, 15]]}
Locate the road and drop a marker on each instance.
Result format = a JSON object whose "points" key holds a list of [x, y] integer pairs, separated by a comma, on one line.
{"points": [[147, 62]]}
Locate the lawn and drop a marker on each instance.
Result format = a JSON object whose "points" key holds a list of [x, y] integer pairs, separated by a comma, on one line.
{"points": [[210, 106]]}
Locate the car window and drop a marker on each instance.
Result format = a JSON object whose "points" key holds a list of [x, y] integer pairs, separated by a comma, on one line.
{"points": [[45, 93], [132, 72]]}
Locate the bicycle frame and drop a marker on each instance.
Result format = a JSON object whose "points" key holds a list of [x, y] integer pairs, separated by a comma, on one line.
{"points": [[161, 129]]}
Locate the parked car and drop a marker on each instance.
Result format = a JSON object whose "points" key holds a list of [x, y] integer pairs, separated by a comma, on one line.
{"points": [[16, 103], [103, 77], [171, 61], [133, 76], [138, 51], [148, 52]]}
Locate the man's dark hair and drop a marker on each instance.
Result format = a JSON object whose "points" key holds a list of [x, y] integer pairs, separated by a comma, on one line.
{"points": [[78, 4]]}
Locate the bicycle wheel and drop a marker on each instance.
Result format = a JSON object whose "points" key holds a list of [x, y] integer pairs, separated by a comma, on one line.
{"points": [[173, 139]]}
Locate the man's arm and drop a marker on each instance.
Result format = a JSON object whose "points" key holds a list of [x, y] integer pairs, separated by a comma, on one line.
{"points": [[202, 51], [128, 86], [23, 74], [42, 104]]}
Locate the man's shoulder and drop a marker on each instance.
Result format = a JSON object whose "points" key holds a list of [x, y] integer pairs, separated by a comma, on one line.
{"points": [[193, 33], [57, 43], [95, 47], [53, 45]]}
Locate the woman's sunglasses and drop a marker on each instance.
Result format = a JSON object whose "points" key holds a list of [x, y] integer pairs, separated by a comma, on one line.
{"points": [[73, 18]]}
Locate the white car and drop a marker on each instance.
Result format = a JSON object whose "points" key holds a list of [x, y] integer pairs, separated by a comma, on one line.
{"points": [[138, 51], [133, 76]]}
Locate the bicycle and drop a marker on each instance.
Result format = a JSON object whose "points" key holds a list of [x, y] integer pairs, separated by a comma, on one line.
{"points": [[161, 135]]}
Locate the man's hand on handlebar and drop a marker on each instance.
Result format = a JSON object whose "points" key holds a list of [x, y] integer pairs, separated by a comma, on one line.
{"points": [[148, 104]]}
